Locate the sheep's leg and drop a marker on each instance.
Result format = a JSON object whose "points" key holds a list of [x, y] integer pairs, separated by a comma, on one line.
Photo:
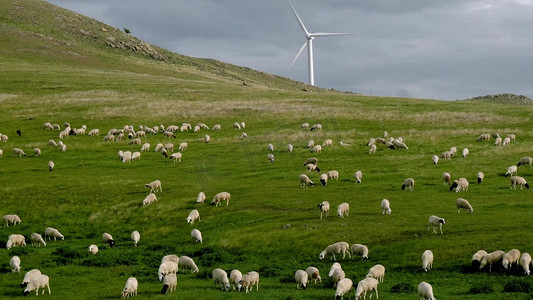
{"points": [[440, 228]]}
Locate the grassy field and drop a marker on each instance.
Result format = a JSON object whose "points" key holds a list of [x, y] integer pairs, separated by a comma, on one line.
{"points": [[53, 73]]}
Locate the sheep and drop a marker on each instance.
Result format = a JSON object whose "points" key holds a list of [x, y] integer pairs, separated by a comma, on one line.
{"points": [[359, 249], [135, 237], [310, 144], [520, 181], [453, 150], [220, 276], [171, 257], [334, 267], [526, 160], [304, 126], [435, 222], [305, 181], [176, 157], [477, 257], [149, 199], [525, 262], [311, 160], [63, 147], [270, 147], [51, 166], [36, 151], [290, 147], [37, 282], [193, 216], [154, 186], [93, 249], [368, 284], [207, 138], [511, 137], [343, 210], [200, 198], [327, 143], [126, 156], [217, 127], [236, 125], [270, 157], [337, 275], [314, 274], [169, 147], [183, 146], [460, 184], [371, 142], [235, 278], [446, 155], [37, 239], [425, 291], [344, 144], [108, 239], [435, 159], [107, 138], [344, 286], [222, 196], [130, 289], [145, 147], [196, 235], [94, 132], [18, 152], [491, 258], [28, 276], [372, 149], [461, 203], [251, 278], [408, 183], [480, 177], [385, 207], [169, 283], [339, 247], [497, 141], [14, 263], [427, 260], [301, 278], [136, 155], [1, 152], [465, 152], [158, 147], [14, 240], [400, 145], [483, 137], [47, 126], [316, 149], [187, 263], [316, 127], [511, 257], [324, 208], [506, 141], [52, 233], [447, 178], [13, 219], [165, 268], [358, 176], [324, 179], [511, 170], [312, 167]]}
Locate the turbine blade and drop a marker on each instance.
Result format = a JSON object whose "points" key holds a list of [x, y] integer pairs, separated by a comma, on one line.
{"points": [[318, 34], [302, 26], [296, 56]]}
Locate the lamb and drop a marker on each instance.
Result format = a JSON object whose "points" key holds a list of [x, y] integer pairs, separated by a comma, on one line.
{"points": [[93, 249], [51, 166], [506, 141], [311, 160], [480, 177], [368, 284], [491, 258], [200, 198], [343, 210], [154, 186], [526, 160], [343, 287], [236, 125], [48, 126], [136, 155], [217, 127], [28, 276], [463, 204], [171, 257], [446, 155], [14, 263], [158, 147], [310, 144], [165, 268], [270, 157], [520, 181], [251, 278], [333, 174], [13, 219], [183, 146], [270, 147], [324, 179], [314, 274], [222, 196], [14, 240], [312, 167], [324, 208], [108, 239], [465, 152], [169, 283], [37, 282], [483, 137], [408, 183], [187, 263], [94, 132], [477, 257], [290, 147], [176, 157], [339, 247], [37, 239], [36, 151], [130, 289], [327, 143], [447, 178], [512, 170], [427, 260], [235, 278], [207, 138], [193, 216], [304, 126], [453, 150], [145, 147], [359, 249], [460, 184], [19, 152], [435, 222], [301, 278], [135, 237], [435, 159], [358, 176], [220, 276], [149, 199], [196, 235], [372, 149], [511, 257], [425, 291], [305, 181], [316, 127], [525, 262], [385, 207]]}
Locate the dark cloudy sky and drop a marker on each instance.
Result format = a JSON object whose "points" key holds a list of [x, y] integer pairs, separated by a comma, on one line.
{"points": [[436, 49]]}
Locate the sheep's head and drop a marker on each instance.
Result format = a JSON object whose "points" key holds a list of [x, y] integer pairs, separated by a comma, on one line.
{"points": [[111, 242], [321, 255], [303, 286], [320, 205], [526, 185], [454, 185], [442, 221], [227, 286]]}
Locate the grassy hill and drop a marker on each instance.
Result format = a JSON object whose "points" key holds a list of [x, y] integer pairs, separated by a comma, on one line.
{"points": [[58, 66]]}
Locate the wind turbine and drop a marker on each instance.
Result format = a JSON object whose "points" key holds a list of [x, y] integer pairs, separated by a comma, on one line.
{"points": [[309, 43]]}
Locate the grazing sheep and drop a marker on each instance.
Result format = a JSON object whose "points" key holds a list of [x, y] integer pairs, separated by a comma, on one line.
{"points": [[251, 278], [358, 176], [196, 235], [480, 177], [497, 141], [51, 166], [36, 151], [107, 138], [337, 275], [169, 147], [170, 257], [301, 278], [158, 147], [28, 276], [108, 239], [334, 266], [310, 144], [136, 155], [477, 257], [145, 147], [176, 157], [446, 155], [311, 160], [155, 186], [371, 142], [427, 260], [270, 147], [193, 216], [463, 204], [324, 179], [169, 283], [511, 137], [312, 167], [94, 132], [187, 263], [270, 157], [327, 143], [435, 222], [460, 184], [465, 152], [235, 278], [313, 274], [305, 181], [447, 178], [304, 126], [512, 170], [130, 289], [217, 127], [207, 138], [324, 208], [339, 247], [316, 149], [385, 207], [37, 282], [408, 183], [48, 126], [53, 233], [244, 136], [165, 268], [483, 137], [377, 272], [372, 149], [126, 156], [506, 141], [525, 262], [37, 239], [491, 258], [18, 152], [453, 150], [135, 237], [200, 198], [520, 181], [343, 287], [343, 210], [14, 263], [289, 148], [333, 174], [435, 159], [183, 146], [149, 199], [220, 276], [511, 257], [13, 219], [236, 125], [316, 127], [425, 291], [526, 160], [368, 284], [359, 249], [222, 196]]}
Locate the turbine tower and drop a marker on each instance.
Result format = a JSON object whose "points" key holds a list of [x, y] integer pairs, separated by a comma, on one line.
{"points": [[309, 43]]}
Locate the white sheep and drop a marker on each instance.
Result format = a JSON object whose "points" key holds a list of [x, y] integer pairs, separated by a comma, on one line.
{"points": [[512, 170], [461, 203], [435, 222], [159, 147], [18, 152], [135, 237], [334, 266], [169, 283], [316, 149], [477, 257], [343, 210], [511, 257], [51, 166], [337, 275], [453, 150], [327, 143], [207, 138], [183, 146], [145, 147], [312, 167], [435, 159], [446, 155], [385, 207], [270, 157], [176, 157], [187, 263], [526, 160], [324, 208], [249, 280], [93, 249], [165, 268], [343, 287], [425, 291], [491, 258], [14, 240], [217, 127], [37, 282], [310, 144], [525, 262], [130, 288], [427, 260], [36, 151], [37, 239], [220, 276], [136, 155], [358, 176], [304, 126], [483, 137], [301, 278], [311, 160], [193, 216], [171, 257], [316, 127], [149, 199], [368, 284], [235, 278], [236, 125], [408, 183], [313, 274], [506, 141], [290, 147], [460, 184], [497, 141], [359, 249], [372, 149], [14, 263], [520, 181], [339, 247], [480, 177], [305, 181], [465, 152], [270, 147], [222, 196], [108, 239], [48, 126], [447, 178], [377, 272], [126, 156], [94, 132], [512, 137], [155, 186], [13, 219], [196, 235], [200, 198], [324, 179]]}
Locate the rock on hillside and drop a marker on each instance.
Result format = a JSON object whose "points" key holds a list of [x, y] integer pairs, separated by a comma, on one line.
{"points": [[503, 99]]}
